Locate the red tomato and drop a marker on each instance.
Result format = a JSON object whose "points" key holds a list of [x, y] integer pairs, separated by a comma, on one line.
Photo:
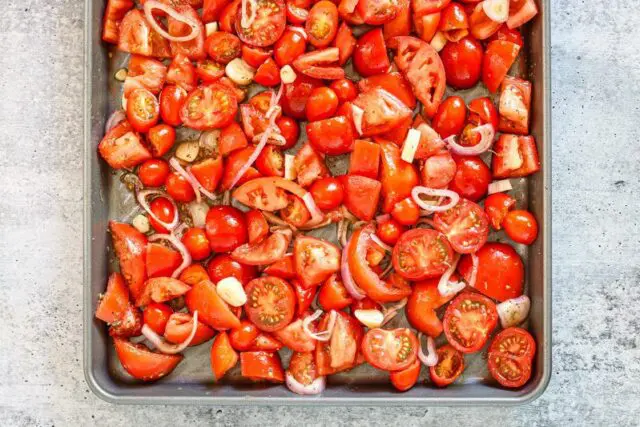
{"points": [[318, 64], [406, 212], [472, 177], [370, 55], [295, 213], [389, 230], [262, 195], [164, 210], [222, 266], [233, 164], [223, 47], [268, 74], [381, 111], [521, 12], [345, 42], [156, 316], [341, 351], [514, 156], [130, 247], [209, 107], [315, 259], [153, 173], [390, 350], [136, 36], [141, 363], [427, 25], [450, 117], [271, 303], [226, 228], [309, 166], [498, 58], [327, 193], [196, 242], [465, 225], [284, 269], [160, 260], [270, 162], [267, 27], [480, 25], [182, 73], [322, 23], [172, 99], [290, 46], [231, 138], [462, 62], [144, 73], [394, 83], [454, 23], [332, 136], [514, 107], [344, 89], [161, 139], [322, 103], [422, 253], [294, 337], [143, 110], [243, 337], [209, 71], [449, 367], [193, 274], [521, 227], [304, 296], [497, 205], [212, 310], [302, 367], [439, 170], [295, 95], [211, 10], [261, 365], [365, 159], [422, 7], [296, 15], [208, 171], [223, 357], [289, 129], [407, 378], [115, 308], [508, 34], [397, 176], [422, 305], [193, 49], [333, 295], [482, 111], [161, 289], [180, 326], [510, 357], [113, 14], [265, 252], [179, 188], [361, 195], [469, 320], [257, 226], [255, 56], [378, 12], [228, 16], [401, 24]]}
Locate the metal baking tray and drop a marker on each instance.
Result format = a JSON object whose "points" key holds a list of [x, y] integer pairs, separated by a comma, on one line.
{"points": [[192, 381]]}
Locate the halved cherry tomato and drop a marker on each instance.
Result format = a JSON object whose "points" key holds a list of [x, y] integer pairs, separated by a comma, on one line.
{"points": [[228, 16], [136, 36], [222, 266], [370, 55], [113, 14], [521, 227], [270, 162], [497, 205], [164, 210], [309, 166], [180, 326], [255, 56], [454, 22], [322, 23], [498, 58], [332, 136], [143, 110], [243, 337], [469, 320], [268, 74], [462, 62], [172, 99], [153, 173], [450, 117], [267, 27], [294, 337], [482, 111], [265, 342], [296, 212], [161, 138], [422, 305], [223, 357], [449, 367], [288, 47], [390, 350], [193, 49], [226, 228], [209, 107], [209, 71], [389, 230], [500, 271], [465, 225], [361, 195], [143, 364], [510, 357], [472, 177], [394, 83], [341, 351], [438, 170], [427, 25], [261, 365], [398, 177], [406, 212], [315, 259], [196, 242], [302, 367], [130, 247], [345, 42], [344, 89], [181, 73], [322, 103], [514, 107], [327, 193], [156, 315], [365, 159], [212, 310], [304, 296], [514, 156], [270, 303], [223, 47], [295, 14], [289, 129], [265, 252], [378, 12], [161, 260], [179, 188], [295, 95], [333, 295], [422, 253], [405, 379], [115, 308], [161, 289]]}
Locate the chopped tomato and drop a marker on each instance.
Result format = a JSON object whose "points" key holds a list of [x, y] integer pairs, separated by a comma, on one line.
{"points": [[136, 36], [438, 170], [322, 23], [309, 166], [406, 212], [405, 379], [264, 252], [223, 47], [344, 89], [160, 260], [143, 110], [222, 266], [265, 342], [397, 176], [472, 177], [296, 15], [268, 74], [333, 295], [514, 156], [255, 56], [381, 111], [378, 12], [497, 206], [211, 10], [296, 212], [179, 328], [257, 226], [521, 12], [226, 228], [389, 230], [390, 350], [302, 367], [197, 243], [288, 47], [260, 193], [179, 188], [341, 351], [143, 364], [365, 159], [361, 195], [231, 138], [156, 316], [322, 104], [315, 259], [304, 296], [394, 83], [370, 54], [116, 310], [161, 289], [172, 98], [229, 15], [482, 111], [510, 357], [295, 95], [232, 166], [243, 337], [345, 42], [223, 357], [208, 172], [270, 303], [212, 310], [268, 25], [209, 71], [469, 320], [480, 25], [427, 25], [422, 7], [192, 49], [331, 136], [182, 73], [294, 337], [327, 193], [465, 225], [422, 305], [283, 268], [270, 162], [161, 138], [449, 367], [113, 14], [514, 107], [422, 253], [450, 117], [261, 365], [454, 22], [508, 34], [144, 73], [498, 58], [130, 246], [317, 64], [209, 107], [122, 148]]}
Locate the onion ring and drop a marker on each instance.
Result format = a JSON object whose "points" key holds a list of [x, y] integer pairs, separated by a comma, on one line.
{"points": [[431, 358], [447, 288], [347, 279], [475, 261], [486, 131], [380, 243], [149, 7], [419, 190], [114, 120], [316, 387], [142, 195], [247, 21]]}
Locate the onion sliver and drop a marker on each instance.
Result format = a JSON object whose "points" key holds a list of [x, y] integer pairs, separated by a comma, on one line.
{"points": [[496, 10], [114, 119], [500, 186], [347, 278], [419, 190], [247, 20], [475, 262], [316, 214], [198, 211], [391, 312], [142, 195], [431, 358], [316, 387], [149, 7], [186, 175], [299, 30], [324, 335], [380, 243], [447, 288], [184, 252], [357, 114], [486, 131], [165, 347]]}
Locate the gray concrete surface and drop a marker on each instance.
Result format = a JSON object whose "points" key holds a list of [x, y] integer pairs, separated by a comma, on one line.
{"points": [[596, 234]]}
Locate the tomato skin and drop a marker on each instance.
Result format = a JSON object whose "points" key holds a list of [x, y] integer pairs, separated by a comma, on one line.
{"points": [[179, 188], [333, 295], [308, 165], [474, 316], [303, 368], [521, 227], [332, 136], [497, 206], [413, 265], [304, 296], [508, 34], [480, 25], [196, 242], [482, 111], [270, 162], [145, 73], [345, 42], [212, 310], [228, 15], [208, 107], [268, 74], [243, 337], [261, 365], [164, 210], [315, 259], [153, 172], [472, 177], [378, 12], [515, 156], [450, 117], [257, 226], [295, 14], [406, 212], [465, 225], [449, 367], [361, 195], [344, 89], [322, 23], [255, 56], [407, 378], [454, 22], [322, 103], [181, 73], [143, 110], [521, 12], [389, 231], [231, 138], [327, 193], [226, 228], [462, 62], [511, 353], [288, 47], [290, 130], [116, 309], [156, 315], [422, 305], [223, 47], [180, 326], [427, 25], [498, 58], [172, 98], [113, 14], [365, 159], [223, 357], [208, 172], [268, 251], [143, 364], [394, 83], [270, 303], [379, 353], [370, 55], [130, 247], [398, 177], [193, 274], [222, 266], [422, 7], [295, 95], [209, 71], [514, 106], [161, 139], [160, 260], [136, 36]]}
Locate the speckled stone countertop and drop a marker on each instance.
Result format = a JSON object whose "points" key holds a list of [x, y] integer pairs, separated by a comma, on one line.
{"points": [[596, 290]]}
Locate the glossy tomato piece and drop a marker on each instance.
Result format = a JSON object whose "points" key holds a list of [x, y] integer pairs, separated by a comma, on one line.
{"points": [[243, 337], [161, 260], [406, 212], [515, 156], [115, 308], [232, 166], [255, 56], [450, 117], [394, 83], [153, 173], [454, 23], [223, 356], [302, 367], [514, 106], [270, 303], [405, 379], [480, 25], [130, 247], [345, 42], [422, 7], [438, 170], [161, 289], [322, 104], [136, 36], [290, 130], [223, 266], [156, 316], [283, 268], [193, 274], [179, 328], [427, 25], [341, 351], [164, 210], [482, 111], [223, 47], [510, 357], [226, 228], [497, 206], [465, 225], [508, 34], [144, 73], [122, 147], [161, 139], [182, 73], [521, 12], [498, 58], [309, 166], [210, 106], [209, 71], [381, 112], [422, 305], [397, 176], [389, 230], [327, 193], [212, 310], [390, 350], [319, 64], [332, 136], [521, 227], [315, 259], [228, 16], [179, 188], [422, 253], [322, 24], [270, 162], [113, 14], [143, 364], [344, 89], [295, 96], [462, 62], [472, 177], [378, 12], [231, 138], [295, 14], [172, 98], [361, 195], [400, 25], [261, 366], [268, 74], [333, 295], [197, 243], [469, 320], [268, 26], [294, 337], [193, 49], [296, 212], [449, 367], [290, 46], [370, 55], [304, 296], [268, 251], [365, 159]]}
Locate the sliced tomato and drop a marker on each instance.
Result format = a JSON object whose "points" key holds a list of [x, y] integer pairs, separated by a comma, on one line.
{"points": [[291, 45], [401, 24], [370, 54], [422, 305], [427, 25], [208, 172], [341, 351], [465, 225], [309, 166], [454, 23], [514, 156], [382, 111], [331, 136], [295, 96], [322, 24], [449, 367], [405, 379], [229, 15], [212, 310], [255, 56], [113, 14], [243, 337], [262, 194], [498, 58], [143, 364], [365, 159], [161, 289], [361, 195], [333, 295], [265, 252], [282, 268], [296, 212], [469, 320], [223, 357], [510, 357], [271, 303], [315, 259], [397, 176], [231, 138], [265, 342], [261, 365], [422, 7], [270, 162], [179, 328], [156, 316], [143, 110], [209, 71], [232, 166], [521, 12], [378, 12], [226, 228], [136, 36], [182, 73], [345, 42], [508, 34], [317, 64], [130, 247], [302, 367], [209, 107], [115, 309], [144, 73], [211, 10], [296, 15], [172, 98], [193, 49], [223, 47], [193, 274], [390, 350], [257, 226], [514, 106], [222, 266], [394, 83], [294, 337], [268, 25], [122, 148], [268, 74], [480, 25], [421, 254], [482, 111]]}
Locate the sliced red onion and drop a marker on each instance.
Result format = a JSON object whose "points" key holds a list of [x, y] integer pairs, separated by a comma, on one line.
{"points": [[341, 232], [391, 312], [513, 311], [142, 195], [500, 186], [347, 278], [198, 211], [184, 252], [151, 5], [383, 218], [475, 262], [431, 358], [316, 214], [186, 175], [380, 243], [247, 20], [447, 288], [496, 10], [324, 335], [273, 138], [316, 387], [419, 190], [251, 159], [486, 131], [114, 119], [300, 31], [357, 113], [166, 347]]}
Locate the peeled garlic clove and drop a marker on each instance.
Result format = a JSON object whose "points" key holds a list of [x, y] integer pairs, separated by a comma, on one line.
{"points": [[370, 318], [240, 72], [231, 291], [188, 151], [514, 311], [141, 223], [287, 75]]}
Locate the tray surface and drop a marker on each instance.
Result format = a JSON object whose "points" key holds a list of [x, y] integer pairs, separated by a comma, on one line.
{"points": [[192, 381]]}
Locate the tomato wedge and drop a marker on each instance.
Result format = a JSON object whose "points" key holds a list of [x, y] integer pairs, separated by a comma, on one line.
{"points": [[469, 320], [365, 159], [294, 337], [398, 177], [116, 310], [333, 295], [130, 247], [113, 14], [381, 111], [302, 367], [210, 106], [143, 364], [466, 226], [341, 351], [361, 195], [265, 252], [261, 365], [394, 83], [161, 289], [315, 259], [422, 254], [179, 328], [407, 378], [223, 356], [212, 310], [270, 303], [309, 166], [122, 147], [268, 25], [510, 357], [390, 350], [498, 58], [449, 367]]}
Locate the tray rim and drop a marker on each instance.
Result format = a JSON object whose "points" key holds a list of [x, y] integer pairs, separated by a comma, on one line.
{"points": [[100, 390]]}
